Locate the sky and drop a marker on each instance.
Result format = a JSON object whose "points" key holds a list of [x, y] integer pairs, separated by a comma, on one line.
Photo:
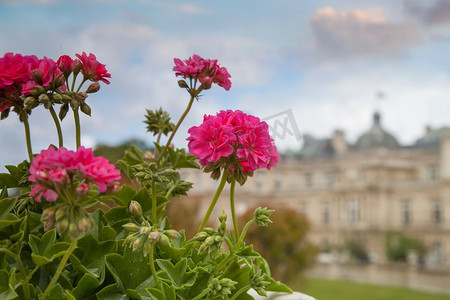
{"points": [[313, 65]]}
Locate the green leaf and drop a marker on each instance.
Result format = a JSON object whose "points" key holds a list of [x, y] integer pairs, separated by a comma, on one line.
{"points": [[86, 287], [6, 180], [9, 220], [124, 195], [177, 274], [168, 292], [6, 205], [57, 293], [130, 270], [44, 249], [111, 292]]}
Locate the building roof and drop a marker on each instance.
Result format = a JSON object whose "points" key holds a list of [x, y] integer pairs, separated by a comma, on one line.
{"points": [[316, 148], [432, 138], [376, 137]]}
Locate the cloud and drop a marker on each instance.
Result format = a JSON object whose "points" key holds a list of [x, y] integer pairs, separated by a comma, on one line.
{"points": [[352, 34], [433, 14]]}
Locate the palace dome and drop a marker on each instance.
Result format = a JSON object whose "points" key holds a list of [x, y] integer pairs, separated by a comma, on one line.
{"points": [[376, 137]]}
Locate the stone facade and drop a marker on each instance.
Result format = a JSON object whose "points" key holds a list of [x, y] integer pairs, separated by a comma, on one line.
{"points": [[362, 190]]}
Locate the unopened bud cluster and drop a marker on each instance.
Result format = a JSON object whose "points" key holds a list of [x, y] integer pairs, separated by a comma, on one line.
{"points": [[221, 287], [142, 237], [258, 282], [211, 239], [158, 122], [261, 216], [71, 220]]}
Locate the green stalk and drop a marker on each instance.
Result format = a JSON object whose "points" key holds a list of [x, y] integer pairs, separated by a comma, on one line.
{"points": [[233, 211], [202, 294], [214, 201], [154, 203], [177, 126], [244, 232], [27, 134], [76, 117], [62, 264], [57, 124], [152, 266], [241, 290]]}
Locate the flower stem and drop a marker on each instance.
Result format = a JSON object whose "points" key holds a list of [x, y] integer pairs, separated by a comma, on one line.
{"points": [[76, 117], [154, 203], [27, 134], [202, 294], [233, 210], [214, 201], [177, 126], [241, 290], [152, 266], [57, 124], [244, 232], [62, 264]]}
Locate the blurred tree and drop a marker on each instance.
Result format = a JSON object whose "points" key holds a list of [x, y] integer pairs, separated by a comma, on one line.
{"points": [[398, 245], [283, 243], [356, 248], [114, 153]]}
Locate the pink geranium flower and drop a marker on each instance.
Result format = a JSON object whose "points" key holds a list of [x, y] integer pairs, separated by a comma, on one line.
{"points": [[54, 170], [233, 134], [92, 69], [206, 71]]}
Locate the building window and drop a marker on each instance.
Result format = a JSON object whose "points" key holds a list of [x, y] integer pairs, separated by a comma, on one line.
{"points": [[353, 211], [308, 180], [437, 212], [437, 253], [330, 179], [432, 173], [326, 213], [406, 212]]}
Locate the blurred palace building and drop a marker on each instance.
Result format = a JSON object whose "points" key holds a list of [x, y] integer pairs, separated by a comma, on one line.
{"points": [[362, 190]]}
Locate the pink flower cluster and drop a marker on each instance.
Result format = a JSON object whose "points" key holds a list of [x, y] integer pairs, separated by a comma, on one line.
{"points": [[21, 74], [53, 170], [234, 133], [206, 71]]}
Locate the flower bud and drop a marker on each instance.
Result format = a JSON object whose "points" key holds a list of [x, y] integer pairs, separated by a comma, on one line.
{"points": [[74, 104], [49, 225], [209, 230], [172, 233], [43, 98], [137, 244], [58, 81], [63, 111], [81, 96], [66, 98], [129, 240], [164, 240], [57, 98], [93, 87], [145, 230], [135, 208], [146, 248], [222, 217], [86, 108], [201, 236], [131, 227], [29, 101], [154, 236], [48, 214], [60, 213], [62, 226], [73, 230], [36, 76], [149, 155], [83, 189], [84, 224], [76, 67], [39, 89], [182, 84]]}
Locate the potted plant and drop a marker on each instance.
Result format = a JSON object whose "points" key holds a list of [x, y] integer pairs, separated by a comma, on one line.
{"points": [[75, 226]]}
